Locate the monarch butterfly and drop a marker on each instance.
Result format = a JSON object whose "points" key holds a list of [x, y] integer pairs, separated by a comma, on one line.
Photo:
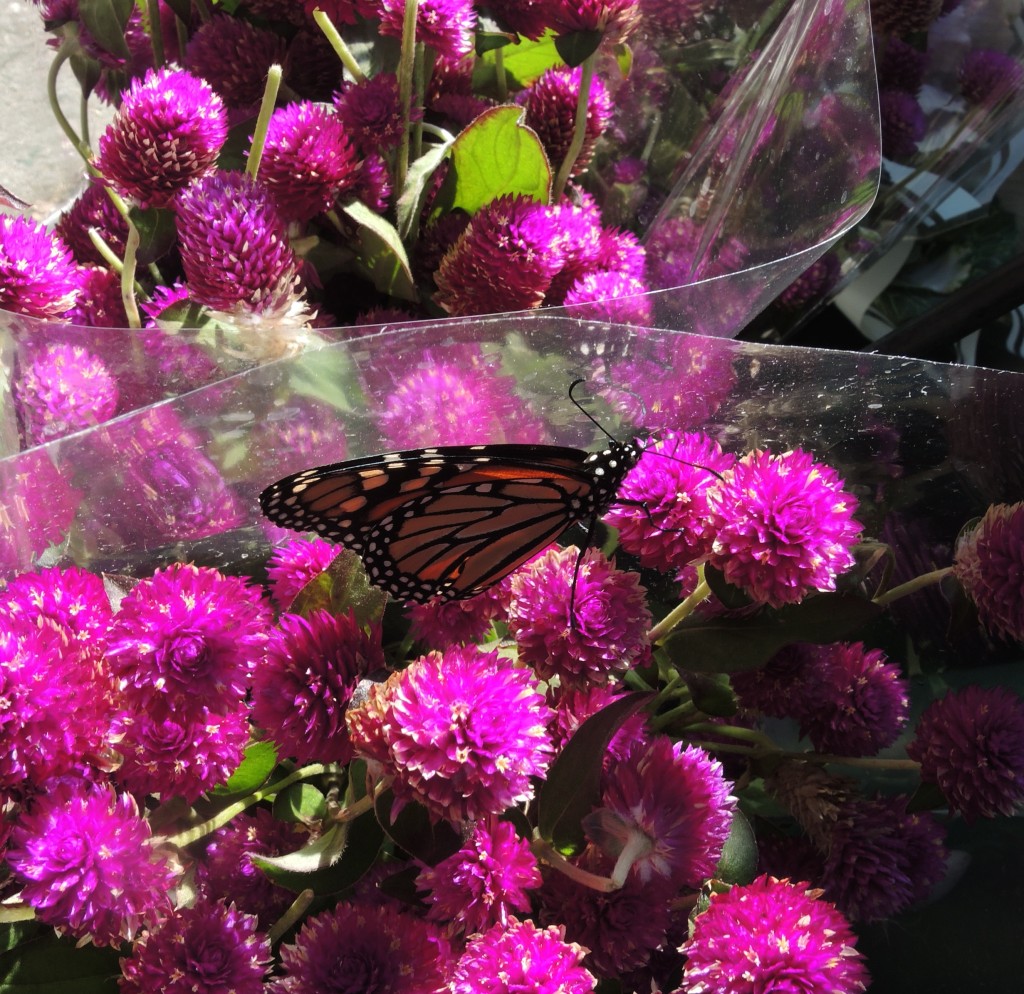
{"points": [[451, 521]]}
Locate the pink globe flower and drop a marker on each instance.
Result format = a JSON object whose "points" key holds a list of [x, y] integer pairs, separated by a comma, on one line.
{"points": [[294, 564], [446, 26], [609, 296], [989, 562], [38, 275], [92, 209], [971, 743], [370, 112], [988, 76], [771, 935], [443, 623], [169, 130], [783, 526], [82, 856]]}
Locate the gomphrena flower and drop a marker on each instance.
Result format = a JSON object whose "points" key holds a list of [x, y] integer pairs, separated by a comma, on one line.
{"points": [[574, 705], [311, 670], [610, 296], [208, 948], [904, 124], [589, 631], [63, 389], [292, 565], [989, 562], [440, 623], [988, 76], [772, 935], [812, 284], [662, 512], [74, 599], [675, 17], [226, 869], [307, 160], [902, 66], [504, 261], [234, 245], [93, 208], [881, 858], [357, 948], [665, 813], [465, 733], [614, 19], [81, 853], [443, 25], [38, 275], [904, 17], [189, 637], [783, 526], [518, 957], [971, 743], [780, 688], [857, 701], [169, 130], [550, 104], [99, 303], [370, 112], [529, 19], [484, 882]]}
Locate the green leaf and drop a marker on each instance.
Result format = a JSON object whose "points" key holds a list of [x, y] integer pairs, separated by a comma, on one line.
{"points": [[33, 960], [712, 693], [573, 784], [105, 20], [344, 586], [413, 831], [157, 233], [301, 802], [490, 35], [323, 851], [257, 764], [577, 47], [523, 63], [498, 155], [734, 645], [380, 253], [730, 596], [410, 204], [87, 71], [738, 863]]}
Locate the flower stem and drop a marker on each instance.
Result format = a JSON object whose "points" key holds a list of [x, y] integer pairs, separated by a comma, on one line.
{"points": [[636, 846], [131, 307], [295, 911], [348, 60], [860, 762], [67, 46], [748, 736], [680, 612], [221, 818], [500, 76], [259, 137], [545, 851], [579, 131], [156, 34], [406, 69], [912, 586]]}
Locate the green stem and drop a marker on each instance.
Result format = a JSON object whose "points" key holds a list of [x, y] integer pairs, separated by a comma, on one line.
{"points": [[912, 586], [348, 60], [131, 307], [406, 68], [295, 911], [221, 818], [681, 611], [67, 46], [545, 851], [579, 131], [748, 736], [860, 762], [667, 718], [500, 76], [202, 10], [156, 33], [637, 845], [259, 137]]}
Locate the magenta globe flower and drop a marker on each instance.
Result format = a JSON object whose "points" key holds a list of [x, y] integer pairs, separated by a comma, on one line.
{"points": [[294, 564], [38, 275], [772, 935], [443, 25], [988, 76], [169, 130], [783, 526]]}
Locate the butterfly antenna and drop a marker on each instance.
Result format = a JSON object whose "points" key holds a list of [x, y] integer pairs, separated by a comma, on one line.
{"points": [[590, 417]]}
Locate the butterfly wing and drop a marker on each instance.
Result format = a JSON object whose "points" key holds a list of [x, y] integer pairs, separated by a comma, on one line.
{"points": [[447, 522]]}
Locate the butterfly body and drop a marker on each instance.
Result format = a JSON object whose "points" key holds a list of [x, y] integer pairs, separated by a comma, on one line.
{"points": [[450, 521]]}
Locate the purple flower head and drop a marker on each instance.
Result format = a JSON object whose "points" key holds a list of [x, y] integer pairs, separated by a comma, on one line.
{"points": [[92, 209], [988, 76], [38, 275], [772, 935], [300, 692], [82, 856], [504, 261], [781, 688], [226, 868], [550, 104], [233, 56], [989, 562], [902, 66], [370, 112], [205, 949], [484, 882], [443, 623], [73, 599], [904, 17], [189, 637], [99, 304], [812, 284], [621, 252], [63, 390], [175, 754], [783, 526], [904, 124], [294, 564], [444, 25], [373, 187], [665, 809], [881, 859], [610, 296], [312, 69], [971, 743], [529, 18], [339, 11], [518, 957], [679, 19], [672, 254], [355, 948], [466, 733], [573, 705], [614, 19], [665, 521], [234, 244], [590, 635], [307, 160], [169, 130], [856, 701]]}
